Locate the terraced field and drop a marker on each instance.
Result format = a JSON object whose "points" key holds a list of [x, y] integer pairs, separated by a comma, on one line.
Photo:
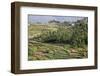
{"points": [[44, 51], [40, 50]]}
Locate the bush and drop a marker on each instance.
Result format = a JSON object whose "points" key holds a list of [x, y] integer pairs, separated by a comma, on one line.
{"points": [[80, 35], [62, 35]]}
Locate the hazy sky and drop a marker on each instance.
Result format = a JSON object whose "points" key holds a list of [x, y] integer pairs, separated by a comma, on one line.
{"points": [[45, 19]]}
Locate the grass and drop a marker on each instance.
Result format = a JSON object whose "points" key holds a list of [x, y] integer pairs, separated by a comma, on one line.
{"points": [[34, 30], [47, 51]]}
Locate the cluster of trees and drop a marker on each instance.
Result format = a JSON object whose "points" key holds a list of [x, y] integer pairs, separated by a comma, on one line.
{"points": [[80, 34], [53, 21], [65, 23], [62, 35], [74, 35]]}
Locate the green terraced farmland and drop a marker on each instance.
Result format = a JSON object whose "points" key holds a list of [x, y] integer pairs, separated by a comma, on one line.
{"points": [[47, 42], [57, 37]]}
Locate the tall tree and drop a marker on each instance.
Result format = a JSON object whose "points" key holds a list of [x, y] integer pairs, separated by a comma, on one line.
{"points": [[80, 32]]}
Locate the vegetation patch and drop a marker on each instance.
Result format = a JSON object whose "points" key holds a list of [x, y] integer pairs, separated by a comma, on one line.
{"points": [[58, 40]]}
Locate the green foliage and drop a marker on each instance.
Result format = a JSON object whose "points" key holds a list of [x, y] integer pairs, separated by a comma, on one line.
{"points": [[74, 35], [79, 37], [62, 35], [62, 41]]}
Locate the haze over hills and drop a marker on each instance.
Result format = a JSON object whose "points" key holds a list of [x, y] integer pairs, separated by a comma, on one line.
{"points": [[45, 19]]}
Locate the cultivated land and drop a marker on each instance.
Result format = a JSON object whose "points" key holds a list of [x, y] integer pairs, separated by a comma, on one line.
{"points": [[53, 41]]}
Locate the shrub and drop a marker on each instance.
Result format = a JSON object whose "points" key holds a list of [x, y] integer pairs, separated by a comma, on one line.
{"points": [[62, 35]]}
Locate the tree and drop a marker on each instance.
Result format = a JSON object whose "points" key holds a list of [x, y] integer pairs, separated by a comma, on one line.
{"points": [[65, 23], [80, 32], [53, 21]]}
